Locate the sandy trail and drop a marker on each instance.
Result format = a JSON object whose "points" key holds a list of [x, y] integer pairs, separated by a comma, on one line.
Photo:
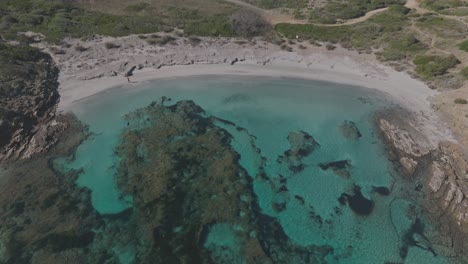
{"points": [[274, 16]]}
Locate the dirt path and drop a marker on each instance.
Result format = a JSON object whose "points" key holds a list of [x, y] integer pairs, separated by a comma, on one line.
{"points": [[274, 16], [432, 39]]}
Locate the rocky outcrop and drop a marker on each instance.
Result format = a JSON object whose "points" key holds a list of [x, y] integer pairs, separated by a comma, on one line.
{"points": [[443, 172], [404, 149], [28, 99], [44, 216], [402, 141], [350, 130], [448, 182], [301, 145]]}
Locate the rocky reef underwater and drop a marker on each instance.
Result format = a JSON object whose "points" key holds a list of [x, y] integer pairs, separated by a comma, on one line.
{"points": [[243, 177]]}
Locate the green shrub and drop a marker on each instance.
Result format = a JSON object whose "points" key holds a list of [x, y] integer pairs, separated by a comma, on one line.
{"points": [[429, 66], [461, 101], [58, 19], [464, 45], [401, 47]]}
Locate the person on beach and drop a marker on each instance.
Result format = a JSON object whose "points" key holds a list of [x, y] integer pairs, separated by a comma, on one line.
{"points": [[128, 79]]}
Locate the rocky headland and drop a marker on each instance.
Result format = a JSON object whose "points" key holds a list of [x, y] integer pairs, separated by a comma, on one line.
{"points": [[435, 175]]}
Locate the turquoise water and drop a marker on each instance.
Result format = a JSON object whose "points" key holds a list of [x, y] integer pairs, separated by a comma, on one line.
{"points": [[269, 109]]}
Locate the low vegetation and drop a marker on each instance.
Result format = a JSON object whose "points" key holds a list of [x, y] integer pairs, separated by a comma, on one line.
{"points": [[442, 27], [270, 4], [429, 66], [334, 10], [58, 19], [464, 45], [401, 47], [137, 7], [211, 26], [438, 5], [364, 36], [461, 101]]}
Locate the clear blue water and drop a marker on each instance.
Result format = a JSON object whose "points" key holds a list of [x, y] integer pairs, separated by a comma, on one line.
{"points": [[270, 108]]}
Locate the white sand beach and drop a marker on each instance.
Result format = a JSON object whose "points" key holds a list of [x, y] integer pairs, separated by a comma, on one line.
{"points": [[84, 75]]}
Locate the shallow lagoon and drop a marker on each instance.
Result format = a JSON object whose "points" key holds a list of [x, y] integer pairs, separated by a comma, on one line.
{"points": [[269, 109]]}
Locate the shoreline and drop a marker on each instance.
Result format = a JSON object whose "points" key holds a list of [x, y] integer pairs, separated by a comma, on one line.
{"points": [[82, 75]]}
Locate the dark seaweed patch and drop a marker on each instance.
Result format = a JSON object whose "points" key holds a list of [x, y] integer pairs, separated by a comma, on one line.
{"points": [[416, 229], [357, 202], [340, 164]]}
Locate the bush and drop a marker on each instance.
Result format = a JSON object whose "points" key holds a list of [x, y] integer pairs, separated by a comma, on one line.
{"points": [[461, 101], [401, 47], [249, 23], [429, 66], [111, 45]]}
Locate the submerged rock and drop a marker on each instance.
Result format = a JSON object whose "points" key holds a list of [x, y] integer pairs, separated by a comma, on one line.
{"points": [[357, 202], [349, 130], [340, 167], [301, 145]]}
